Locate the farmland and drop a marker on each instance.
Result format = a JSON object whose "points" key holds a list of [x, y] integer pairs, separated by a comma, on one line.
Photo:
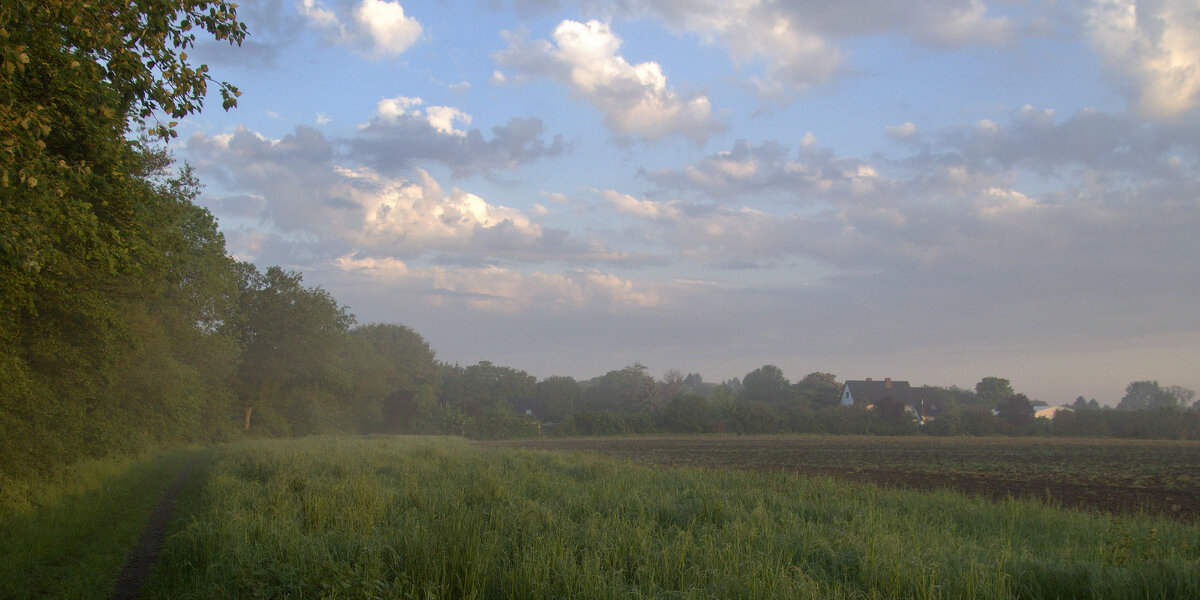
{"points": [[1115, 476], [424, 517]]}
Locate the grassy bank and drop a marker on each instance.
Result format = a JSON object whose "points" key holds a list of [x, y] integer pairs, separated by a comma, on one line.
{"points": [[435, 518], [68, 536]]}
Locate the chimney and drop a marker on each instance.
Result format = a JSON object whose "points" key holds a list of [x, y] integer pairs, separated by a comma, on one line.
{"points": [[887, 382]]}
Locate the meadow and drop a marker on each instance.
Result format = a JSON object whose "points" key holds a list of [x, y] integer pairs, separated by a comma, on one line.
{"points": [[412, 517]]}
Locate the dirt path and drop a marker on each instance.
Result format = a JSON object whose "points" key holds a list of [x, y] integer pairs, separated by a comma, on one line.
{"points": [[143, 556]]}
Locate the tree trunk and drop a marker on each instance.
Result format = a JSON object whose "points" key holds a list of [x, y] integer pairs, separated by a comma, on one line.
{"points": [[249, 409]]}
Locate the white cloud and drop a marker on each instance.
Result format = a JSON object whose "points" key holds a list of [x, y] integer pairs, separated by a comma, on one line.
{"points": [[647, 209], [634, 98], [401, 132], [796, 56], [1155, 46], [418, 215], [318, 15], [767, 168], [379, 25], [391, 31], [998, 203], [903, 131], [440, 118], [498, 289], [305, 191], [796, 43]]}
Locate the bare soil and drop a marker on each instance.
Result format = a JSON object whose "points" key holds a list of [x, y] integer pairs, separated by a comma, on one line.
{"points": [[1160, 478]]}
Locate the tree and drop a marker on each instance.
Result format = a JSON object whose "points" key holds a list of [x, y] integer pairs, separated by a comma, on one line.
{"points": [[1183, 396], [1082, 403], [291, 336], [993, 390], [752, 416], [671, 384], [393, 379], [766, 384], [694, 384], [1016, 410], [481, 386], [75, 75], [689, 413], [557, 397], [977, 420], [103, 266], [1143, 395], [819, 389], [626, 390], [890, 417], [500, 421]]}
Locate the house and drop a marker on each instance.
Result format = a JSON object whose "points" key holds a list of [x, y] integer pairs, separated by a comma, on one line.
{"points": [[524, 406], [867, 392], [1049, 411]]}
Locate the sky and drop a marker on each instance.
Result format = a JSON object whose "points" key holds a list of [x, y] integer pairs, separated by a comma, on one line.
{"points": [[930, 190]]}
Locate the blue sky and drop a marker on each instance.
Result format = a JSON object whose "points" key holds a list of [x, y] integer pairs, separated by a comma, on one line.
{"points": [[934, 190]]}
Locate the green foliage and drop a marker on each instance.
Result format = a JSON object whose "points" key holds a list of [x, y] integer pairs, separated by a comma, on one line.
{"points": [[819, 390], [1016, 412], [890, 417], [977, 420], [1143, 395], [766, 384], [291, 337], [479, 387], [114, 282], [690, 413], [557, 398], [392, 379], [626, 390], [73, 75], [605, 422], [396, 518], [113, 362], [993, 390], [1167, 424], [750, 416], [500, 422]]}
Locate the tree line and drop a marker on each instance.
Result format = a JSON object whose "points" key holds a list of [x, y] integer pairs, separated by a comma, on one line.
{"points": [[631, 401], [125, 323]]}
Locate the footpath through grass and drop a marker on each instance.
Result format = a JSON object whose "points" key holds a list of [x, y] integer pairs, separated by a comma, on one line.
{"points": [[437, 518], [68, 537]]}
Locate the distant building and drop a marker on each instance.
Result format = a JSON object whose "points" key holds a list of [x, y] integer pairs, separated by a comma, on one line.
{"points": [[1049, 411], [524, 406], [867, 392]]}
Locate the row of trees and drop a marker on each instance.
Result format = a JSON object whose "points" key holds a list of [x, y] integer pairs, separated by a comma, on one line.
{"points": [[631, 401], [114, 284]]}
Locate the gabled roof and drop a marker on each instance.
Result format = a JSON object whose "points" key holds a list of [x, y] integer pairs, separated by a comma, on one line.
{"points": [[872, 391], [1048, 412]]}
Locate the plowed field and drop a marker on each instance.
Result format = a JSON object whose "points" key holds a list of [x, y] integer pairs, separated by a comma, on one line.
{"points": [[1113, 476]]}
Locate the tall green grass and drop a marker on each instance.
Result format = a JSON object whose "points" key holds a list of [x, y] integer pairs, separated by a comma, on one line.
{"points": [[436, 518], [67, 536]]}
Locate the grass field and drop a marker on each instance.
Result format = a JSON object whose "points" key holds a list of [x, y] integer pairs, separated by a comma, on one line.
{"points": [[408, 517], [1116, 476], [67, 537], [435, 518]]}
